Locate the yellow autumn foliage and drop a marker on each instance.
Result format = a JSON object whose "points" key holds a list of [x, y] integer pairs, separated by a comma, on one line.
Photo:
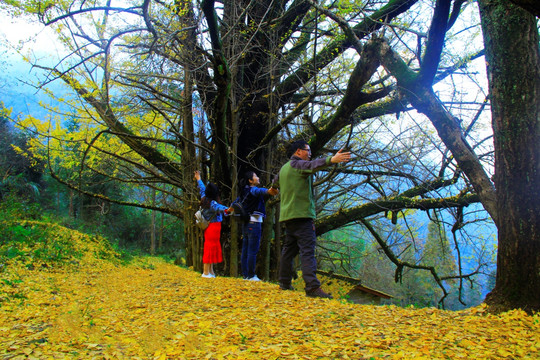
{"points": [[152, 309]]}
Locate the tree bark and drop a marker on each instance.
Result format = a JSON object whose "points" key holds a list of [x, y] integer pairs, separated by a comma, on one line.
{"points": [[191, 235], [533, 6], [513, 59], [153, 225], [219, 113]]}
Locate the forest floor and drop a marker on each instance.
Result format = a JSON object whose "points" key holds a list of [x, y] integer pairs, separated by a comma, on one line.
{"points": [[151, 309], [162, 311]]}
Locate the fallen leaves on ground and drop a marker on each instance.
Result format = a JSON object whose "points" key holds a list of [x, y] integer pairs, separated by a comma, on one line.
{"points": [[162, 311]]}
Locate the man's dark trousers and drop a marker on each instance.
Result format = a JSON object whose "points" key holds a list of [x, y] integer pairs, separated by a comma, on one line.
{"points": [[300, 238]]}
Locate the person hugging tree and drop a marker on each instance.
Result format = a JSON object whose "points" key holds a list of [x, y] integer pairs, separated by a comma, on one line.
{"points": [[212, 211], [252, 197]]}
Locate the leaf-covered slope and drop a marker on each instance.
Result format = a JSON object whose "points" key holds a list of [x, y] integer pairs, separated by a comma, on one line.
{"points": [[39, 244], [161, 311]]}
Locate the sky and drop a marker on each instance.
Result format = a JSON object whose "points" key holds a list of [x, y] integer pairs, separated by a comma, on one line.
{"points": [[31, 38], [23, 29]]}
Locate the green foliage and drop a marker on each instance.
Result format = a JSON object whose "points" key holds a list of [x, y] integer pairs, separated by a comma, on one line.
{"points": [[12, 208], [417, 286], [28, 240], [126, 227], [9, 288], [31, 238], [340, 250], [33, 244], [20, 173]]}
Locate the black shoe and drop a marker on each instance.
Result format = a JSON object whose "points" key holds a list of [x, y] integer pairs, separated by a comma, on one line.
{"points": [[285, 287], [319, 293]]}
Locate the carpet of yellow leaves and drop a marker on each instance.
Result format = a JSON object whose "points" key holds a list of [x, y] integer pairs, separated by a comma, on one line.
{"points": [[158, 310]]}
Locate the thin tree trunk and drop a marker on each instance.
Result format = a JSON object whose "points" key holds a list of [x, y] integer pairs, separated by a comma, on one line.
{"points": [[191, 233], [236, 230], [162, 221], [266, 247], [153, 225], [278, 240], [71, 206]]}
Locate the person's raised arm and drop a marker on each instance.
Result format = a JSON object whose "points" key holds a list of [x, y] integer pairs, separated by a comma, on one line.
{"points": [[200, 185]]}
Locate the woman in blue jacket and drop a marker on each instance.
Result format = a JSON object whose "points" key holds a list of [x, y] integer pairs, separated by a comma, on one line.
{"points": [[253, 198]]}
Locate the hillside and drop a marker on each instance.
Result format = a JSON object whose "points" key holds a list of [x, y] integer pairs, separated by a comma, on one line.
{"points": [[93, 306]]}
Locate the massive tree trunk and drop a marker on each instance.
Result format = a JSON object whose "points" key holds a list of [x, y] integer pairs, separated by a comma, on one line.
{"points": [[513, 59], [532, 6]]}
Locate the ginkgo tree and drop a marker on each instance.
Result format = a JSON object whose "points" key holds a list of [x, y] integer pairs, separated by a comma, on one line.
{"points": [[165, 88], [511, 39]]}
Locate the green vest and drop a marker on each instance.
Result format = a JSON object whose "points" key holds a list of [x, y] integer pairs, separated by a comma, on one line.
{"points": [[296, 189]]}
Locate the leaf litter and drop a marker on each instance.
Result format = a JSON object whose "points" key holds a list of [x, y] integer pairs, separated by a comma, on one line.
{"points": [[168, 312], [151, 309]]}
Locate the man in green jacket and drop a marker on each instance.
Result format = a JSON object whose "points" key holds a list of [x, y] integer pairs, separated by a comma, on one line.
{"points": [[297, 212]]}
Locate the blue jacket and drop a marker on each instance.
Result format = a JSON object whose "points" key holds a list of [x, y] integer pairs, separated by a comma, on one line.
{"points": [[215, 211], [254, 201]]}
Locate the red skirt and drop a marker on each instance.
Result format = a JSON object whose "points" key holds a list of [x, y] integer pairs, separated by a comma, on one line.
{"points": [[212, 246]]}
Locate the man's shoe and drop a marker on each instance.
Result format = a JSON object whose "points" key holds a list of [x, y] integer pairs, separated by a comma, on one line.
{"points": [[319, 293], [254, 278], [285, 287]]}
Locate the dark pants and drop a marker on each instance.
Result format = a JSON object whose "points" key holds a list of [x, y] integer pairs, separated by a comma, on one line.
{"points": [[299, 238], [251, 233]]}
